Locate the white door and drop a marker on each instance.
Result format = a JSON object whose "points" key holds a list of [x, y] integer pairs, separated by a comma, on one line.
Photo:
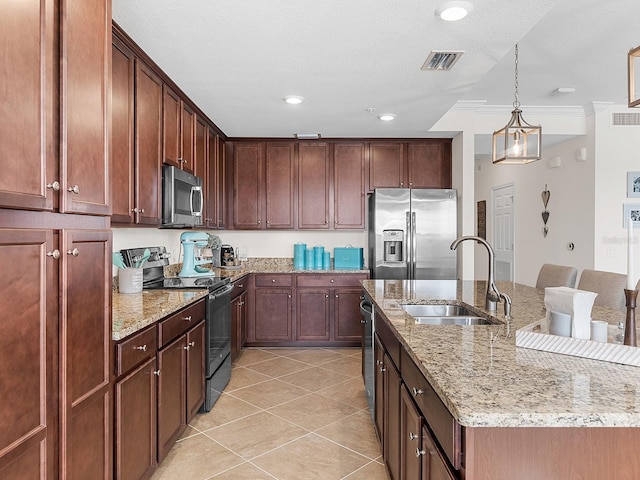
{"points": [[503, 228]]}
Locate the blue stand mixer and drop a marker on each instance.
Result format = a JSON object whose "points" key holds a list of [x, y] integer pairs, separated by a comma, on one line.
{"points": [[199, 248]]}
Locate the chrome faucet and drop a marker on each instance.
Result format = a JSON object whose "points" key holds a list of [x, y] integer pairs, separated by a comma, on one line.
{"points": [[492, 296]]}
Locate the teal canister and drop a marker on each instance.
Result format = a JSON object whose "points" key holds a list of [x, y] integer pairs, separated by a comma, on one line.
{"points": [[309, 263], [299, 250], [318, 257], [326, 263]]}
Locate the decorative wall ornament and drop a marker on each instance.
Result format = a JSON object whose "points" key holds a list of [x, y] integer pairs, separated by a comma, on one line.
{"points": [[482, 219], [546, 194]]}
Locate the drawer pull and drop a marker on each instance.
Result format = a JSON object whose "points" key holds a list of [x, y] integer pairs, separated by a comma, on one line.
{"points": [[332, 280], [141, 347], [273, 280], [413, 436], [417, 391], [419, 452], [156, 372], [187, 319], [240, 285], [363, 320]]}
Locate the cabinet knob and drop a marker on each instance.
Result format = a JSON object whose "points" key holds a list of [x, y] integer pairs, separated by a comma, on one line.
{"points": [[268, 222], [419, 452], [362, 320], [379, 362], [401, 184], [332, 280], [240, 285], [75, 189], [240, 304], [258, 222], [413, 436], [156, 372], [55, 254], [187, 347], [141, 347], [192, 344], [137, 210], [383, 369], [326, 295], [410, 184], [273, 280], [187, 319], [289, 295], [417, 391], [75, 252], [54, 186], [336, 295]]}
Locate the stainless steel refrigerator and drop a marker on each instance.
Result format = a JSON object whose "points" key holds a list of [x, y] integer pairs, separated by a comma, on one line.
{"points": [[410, 231]]}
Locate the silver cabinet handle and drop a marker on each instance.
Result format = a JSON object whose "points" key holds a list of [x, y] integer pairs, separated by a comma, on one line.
{"points": [[142, 348], [55, 254], [54, 186], [156, 372], [379, 362], [332, 280], [419, 452], [326, 296], [401, 184], [273, 280], [75, 189], [188, 319], [137, 210], [75, 252], [289, 295], [383, 369], [240, 286], [191, 344], [417, 391], [187, 347], [413, 436], [258, 222], [363, 320], [268, 222], [337, 296]]}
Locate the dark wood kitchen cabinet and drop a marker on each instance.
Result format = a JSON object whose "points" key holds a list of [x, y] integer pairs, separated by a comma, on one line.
{"points": [[313, 315], [314, 176], [28, 355], [238, 317], [272, 310], [215, 216], [410, 438], [85, 106], [28, 116], [181, 373], [416, 164], [248, 185], [178, 130], [279, 185], [349, 167]]}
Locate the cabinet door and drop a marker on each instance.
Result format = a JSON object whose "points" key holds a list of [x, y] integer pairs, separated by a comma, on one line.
{"points": [[392, 384], [195, 370], [200, 165], [313, 186], [85, 107], [386, 165], [148, 161], [28, 354], [279, 179], [171, 394], [429, 164], [348, 185], [248, 162], [273, 315], [346, 315], [434, 467], [135, 423], [121, 170], [214, 181], [171, 115], [85, 344], [187, 138], [378, 379], [410, 439], [27, 114], [312, 314], [238, 329]]}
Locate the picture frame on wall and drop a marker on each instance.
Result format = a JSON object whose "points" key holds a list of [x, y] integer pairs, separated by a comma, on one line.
{"points": [[631, 211], [633, 184]]}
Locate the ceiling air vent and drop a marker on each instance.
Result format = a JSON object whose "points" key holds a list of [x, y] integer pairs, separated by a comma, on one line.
{"points": [[625, 119], [441, 60]]}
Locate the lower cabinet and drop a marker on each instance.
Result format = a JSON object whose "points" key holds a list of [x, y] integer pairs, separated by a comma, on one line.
{"points": [[158, 389], [306, 309], [238, 317]]}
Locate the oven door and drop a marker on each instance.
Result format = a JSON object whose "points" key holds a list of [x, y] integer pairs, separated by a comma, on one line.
{"points": [[218, 328]]}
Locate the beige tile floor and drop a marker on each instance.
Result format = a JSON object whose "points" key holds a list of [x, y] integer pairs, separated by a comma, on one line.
{"points": [[287, 414]]}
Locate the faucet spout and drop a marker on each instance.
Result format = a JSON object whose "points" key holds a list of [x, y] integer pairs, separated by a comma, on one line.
{"points": [[492, 296]]}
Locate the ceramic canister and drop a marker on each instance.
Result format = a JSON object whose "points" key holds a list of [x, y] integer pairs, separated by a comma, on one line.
{"points": [[309, 263], [318, 257], [299, 250]]}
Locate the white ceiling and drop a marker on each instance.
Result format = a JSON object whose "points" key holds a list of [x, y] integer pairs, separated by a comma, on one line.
{"points": [[237, 59]]}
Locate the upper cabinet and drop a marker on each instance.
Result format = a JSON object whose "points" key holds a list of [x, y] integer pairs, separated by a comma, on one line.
{"points": [[179, 131], [279, 179], [248, 185], [214, 184], [27, 121], [85, 107], [349, 167], [416, 164], [314, 177]]}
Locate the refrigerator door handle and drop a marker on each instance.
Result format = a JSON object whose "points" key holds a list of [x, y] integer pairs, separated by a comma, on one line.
{"points": [[409, 247], [414, 246]]}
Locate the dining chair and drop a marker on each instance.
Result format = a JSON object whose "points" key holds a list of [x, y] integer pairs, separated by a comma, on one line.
{"points": [[608, 285], [556, 276]]}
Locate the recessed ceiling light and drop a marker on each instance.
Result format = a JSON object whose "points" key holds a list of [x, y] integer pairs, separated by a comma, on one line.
{"points": [[293, 99], [454, 11], [387, 117], [307, 136]]}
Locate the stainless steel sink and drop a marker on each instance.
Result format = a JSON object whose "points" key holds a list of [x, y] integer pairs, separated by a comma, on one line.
{"points": [[438, 310], [445, 314]]}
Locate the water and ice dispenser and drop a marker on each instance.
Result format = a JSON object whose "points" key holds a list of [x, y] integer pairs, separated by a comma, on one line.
{"points": [[393, 245]]}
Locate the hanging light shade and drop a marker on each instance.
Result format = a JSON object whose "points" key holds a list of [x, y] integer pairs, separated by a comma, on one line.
{"points": [[518, 142]]}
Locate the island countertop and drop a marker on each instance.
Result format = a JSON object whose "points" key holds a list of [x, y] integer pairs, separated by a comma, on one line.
{"points": [[486, 381]]}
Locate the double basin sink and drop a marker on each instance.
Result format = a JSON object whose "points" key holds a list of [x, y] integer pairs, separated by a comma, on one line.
{"points": [[445, 314]]}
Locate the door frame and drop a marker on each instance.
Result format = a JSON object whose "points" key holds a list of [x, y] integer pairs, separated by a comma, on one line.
{"points": [[495, 189]]}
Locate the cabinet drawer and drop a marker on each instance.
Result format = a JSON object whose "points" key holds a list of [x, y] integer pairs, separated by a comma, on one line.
{"points": [[240, 286], [275, 280], [135, 349], [178, 323], [446, 430], [329, 280]]}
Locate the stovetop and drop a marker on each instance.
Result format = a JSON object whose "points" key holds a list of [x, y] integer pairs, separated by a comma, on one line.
{"points": [[211, 283]]}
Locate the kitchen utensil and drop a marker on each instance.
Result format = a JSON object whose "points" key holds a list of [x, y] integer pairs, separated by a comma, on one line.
{"points": [[145, 256], [118, 261]]}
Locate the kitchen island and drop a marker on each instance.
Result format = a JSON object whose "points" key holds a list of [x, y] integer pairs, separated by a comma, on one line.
{"points": [[521, 413]]}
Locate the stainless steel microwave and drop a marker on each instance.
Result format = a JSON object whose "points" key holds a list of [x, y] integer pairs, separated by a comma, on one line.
{"points": [[182, 198]]}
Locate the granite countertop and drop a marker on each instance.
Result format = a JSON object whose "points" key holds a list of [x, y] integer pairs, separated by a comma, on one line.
{"points": [[486, 381], [134, 311]]}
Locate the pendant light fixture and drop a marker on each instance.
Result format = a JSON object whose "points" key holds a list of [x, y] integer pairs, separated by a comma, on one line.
{"points": [[518, 142]]}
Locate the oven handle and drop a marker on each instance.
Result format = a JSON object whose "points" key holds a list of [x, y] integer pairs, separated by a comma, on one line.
{"points": [[221, 291]]}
